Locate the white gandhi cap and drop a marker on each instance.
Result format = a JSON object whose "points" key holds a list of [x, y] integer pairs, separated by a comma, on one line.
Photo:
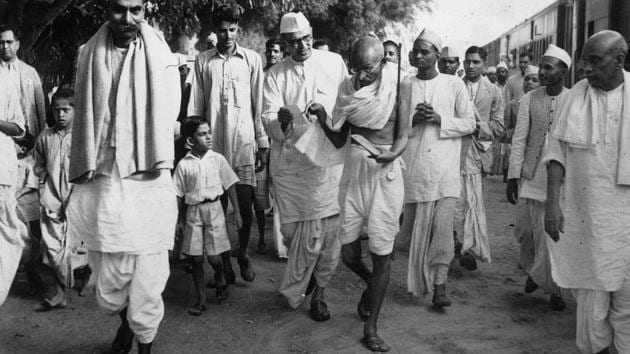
{"points": [[293, 22], [558, 53]]}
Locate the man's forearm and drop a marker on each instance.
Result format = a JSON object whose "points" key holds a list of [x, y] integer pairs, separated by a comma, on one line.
{"points": [[10, 129], [555, 174]]}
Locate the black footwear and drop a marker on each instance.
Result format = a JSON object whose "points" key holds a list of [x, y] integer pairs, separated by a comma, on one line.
{"points": [[556, 303], [440, 299], [530, 285], [319, 311], [123, 341], [363, 307], [247, 270], [468, 261], [144, 348]]}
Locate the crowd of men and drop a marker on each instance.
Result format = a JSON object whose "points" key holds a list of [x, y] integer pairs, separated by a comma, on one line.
{"points": [[350, 156]]}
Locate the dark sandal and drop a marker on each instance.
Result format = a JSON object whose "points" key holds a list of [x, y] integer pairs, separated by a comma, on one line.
{"points": [[362, 306], [197, 310], [222, 293], [319, 311], [375, 343]]}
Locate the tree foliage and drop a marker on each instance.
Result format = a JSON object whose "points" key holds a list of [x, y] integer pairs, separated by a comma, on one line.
{"points": [[52, 30]]}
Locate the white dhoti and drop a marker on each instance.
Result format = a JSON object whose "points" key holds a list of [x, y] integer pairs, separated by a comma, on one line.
{"points": [[133, 281], [371, 192], [12, 235], [431, 250], [530, 232], [61, 253], [603, 319], [314, 249], [470, 218]]}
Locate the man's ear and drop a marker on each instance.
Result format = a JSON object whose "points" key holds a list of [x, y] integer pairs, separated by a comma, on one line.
{"points": [[189, 141]]}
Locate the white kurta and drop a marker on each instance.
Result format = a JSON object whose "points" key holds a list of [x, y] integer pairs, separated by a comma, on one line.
{"points": [[433, 152], [593, 251], [303, 191]]}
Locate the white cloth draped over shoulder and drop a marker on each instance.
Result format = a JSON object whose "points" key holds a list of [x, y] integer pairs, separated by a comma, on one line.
{"points": [[593, 251], [368, 107], [146, 105], [578, 126]]}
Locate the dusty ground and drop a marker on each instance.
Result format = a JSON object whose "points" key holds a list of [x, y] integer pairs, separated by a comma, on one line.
{"points": [[490, 312]]}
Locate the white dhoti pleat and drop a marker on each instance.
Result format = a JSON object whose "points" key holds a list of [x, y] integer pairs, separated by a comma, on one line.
{"points": [[431, 250], [314, 249], [470, 218], [603, 319], [133, 281], [523, 232], [540, 267], [12, 235], [61, 253]]}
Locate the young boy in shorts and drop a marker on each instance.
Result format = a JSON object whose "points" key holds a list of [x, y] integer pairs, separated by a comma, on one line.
{"points": [[201, 177]]}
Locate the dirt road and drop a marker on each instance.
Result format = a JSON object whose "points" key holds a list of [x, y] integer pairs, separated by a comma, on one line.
{"points": [[490, 312]]}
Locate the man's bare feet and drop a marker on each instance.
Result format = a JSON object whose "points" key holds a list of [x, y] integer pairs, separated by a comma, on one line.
{"points": [[87, 290], [375, 343]]}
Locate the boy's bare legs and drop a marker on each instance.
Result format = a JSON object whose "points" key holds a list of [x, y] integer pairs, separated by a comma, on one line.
{"points": [[197, 273], [217, 264], [245, 195]]}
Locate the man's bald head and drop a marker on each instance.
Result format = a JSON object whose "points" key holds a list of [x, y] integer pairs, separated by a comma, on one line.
{"points": [[603, 57], [366, 59], [366, 50]]}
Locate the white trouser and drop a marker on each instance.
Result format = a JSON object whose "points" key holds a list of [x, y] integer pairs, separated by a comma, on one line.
{"points": [[603, 319], [133, 281]]}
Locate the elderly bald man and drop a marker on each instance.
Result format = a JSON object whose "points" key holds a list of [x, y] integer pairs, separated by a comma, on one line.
{"points": [[372, 188], [587, 156]]}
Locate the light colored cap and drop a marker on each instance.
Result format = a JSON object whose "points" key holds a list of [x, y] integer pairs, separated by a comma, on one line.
{"points": [[432, 37], [294, 22], [558, 53], [491, 69], [531, 70], [449, 52], [502, 65]]}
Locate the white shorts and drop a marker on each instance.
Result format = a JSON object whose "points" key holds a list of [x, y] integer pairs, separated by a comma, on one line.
{"points": [[205, 230]]}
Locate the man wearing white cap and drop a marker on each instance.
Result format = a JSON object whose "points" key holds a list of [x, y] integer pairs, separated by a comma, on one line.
{"points": [[449, 61], [535, 116], [502, 75], [491, 74], [306, 194], [470, 213], [227, 91], [442, 114], [587, 155]]}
